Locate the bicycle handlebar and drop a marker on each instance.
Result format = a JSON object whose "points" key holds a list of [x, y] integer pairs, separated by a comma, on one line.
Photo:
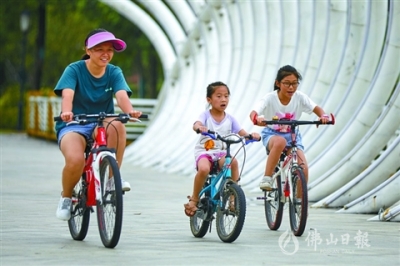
{"points": [[90, 118], [299, 122], [214, 135]]}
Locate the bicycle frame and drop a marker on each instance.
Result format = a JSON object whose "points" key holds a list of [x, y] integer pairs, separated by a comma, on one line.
{"points": [[92, 166], [286, 167], [217, 180]]}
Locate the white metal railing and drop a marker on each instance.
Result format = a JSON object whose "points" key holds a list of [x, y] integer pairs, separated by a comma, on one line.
{"points": [[42, 109]]}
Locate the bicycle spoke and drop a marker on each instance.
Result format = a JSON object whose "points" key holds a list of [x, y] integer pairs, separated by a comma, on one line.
{"points": [[78, 224], [109, 211]]}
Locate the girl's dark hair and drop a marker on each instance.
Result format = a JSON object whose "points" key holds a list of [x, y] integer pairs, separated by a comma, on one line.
{"points": [[93, 32], [212, 86], [284, 72]]}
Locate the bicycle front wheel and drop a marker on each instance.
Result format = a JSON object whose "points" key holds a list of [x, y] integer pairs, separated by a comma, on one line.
{"points": [[273, 205], [298, 205], [78, 224], [231, 213], [109, 211]]}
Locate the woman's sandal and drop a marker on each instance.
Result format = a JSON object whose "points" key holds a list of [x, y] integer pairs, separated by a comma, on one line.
{"points": [[190, 209]]}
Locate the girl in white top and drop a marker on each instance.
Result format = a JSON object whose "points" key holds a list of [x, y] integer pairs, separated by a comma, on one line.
{"points": [[215, 119], [288, 103]]}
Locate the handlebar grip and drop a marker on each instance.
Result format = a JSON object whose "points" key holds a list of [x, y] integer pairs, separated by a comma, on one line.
{"points": [[57, 119], [144, 116], [332, 122], [208, 131]]}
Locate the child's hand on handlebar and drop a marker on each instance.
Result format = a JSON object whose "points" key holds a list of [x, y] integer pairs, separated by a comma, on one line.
{"points": [[256, 136], [260, 121], [202, 129], [324, 118]]}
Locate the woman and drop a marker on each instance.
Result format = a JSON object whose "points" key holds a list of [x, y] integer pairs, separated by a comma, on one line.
{"points": [[88, 86]]}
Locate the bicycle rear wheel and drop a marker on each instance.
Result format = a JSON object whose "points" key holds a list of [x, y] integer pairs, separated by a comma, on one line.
{"points": [[78, 224], [109, 211], [231, 215], [273, 205], [298, 207]]}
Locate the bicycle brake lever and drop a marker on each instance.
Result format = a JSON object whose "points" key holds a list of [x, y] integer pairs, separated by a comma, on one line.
{"points": [[133, 119]]}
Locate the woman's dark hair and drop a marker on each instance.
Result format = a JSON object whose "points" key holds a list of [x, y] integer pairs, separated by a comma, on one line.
{"points": [[93, 32], [284, 72], [212, 86]]}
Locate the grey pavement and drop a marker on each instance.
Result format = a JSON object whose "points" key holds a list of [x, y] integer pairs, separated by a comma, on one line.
{"points": [[156, 231]]}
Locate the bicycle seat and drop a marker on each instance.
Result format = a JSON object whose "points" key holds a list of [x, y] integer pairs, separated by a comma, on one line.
{"points": [[88, 148]]}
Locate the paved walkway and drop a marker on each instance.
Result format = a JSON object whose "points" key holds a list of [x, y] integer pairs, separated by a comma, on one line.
{"points": [[155, 229]]}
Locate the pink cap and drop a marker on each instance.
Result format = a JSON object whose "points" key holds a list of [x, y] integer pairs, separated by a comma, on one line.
{"points": [[95, 39]]}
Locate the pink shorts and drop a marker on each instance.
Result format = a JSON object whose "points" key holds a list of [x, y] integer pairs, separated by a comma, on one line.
{"points": [[213, 157]]}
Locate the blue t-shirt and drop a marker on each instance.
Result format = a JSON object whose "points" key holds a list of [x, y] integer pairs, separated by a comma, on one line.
{"points": [[92, 95]]}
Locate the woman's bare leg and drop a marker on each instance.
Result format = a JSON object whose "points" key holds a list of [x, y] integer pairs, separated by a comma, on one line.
{"points": [[72, 146]]}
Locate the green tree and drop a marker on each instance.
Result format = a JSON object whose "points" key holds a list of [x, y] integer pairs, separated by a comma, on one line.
{"points": [[67, 24]]}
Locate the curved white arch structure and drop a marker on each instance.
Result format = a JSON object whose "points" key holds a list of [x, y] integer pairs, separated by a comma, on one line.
{"points": [[347, 51]]}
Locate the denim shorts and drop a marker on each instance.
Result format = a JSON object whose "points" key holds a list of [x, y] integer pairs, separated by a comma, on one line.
{"points": [[85, 130], [268, 132]]}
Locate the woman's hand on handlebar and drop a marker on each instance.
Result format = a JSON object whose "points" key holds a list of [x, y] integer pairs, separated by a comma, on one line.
{"points": [[67, 116], [135, 113]]}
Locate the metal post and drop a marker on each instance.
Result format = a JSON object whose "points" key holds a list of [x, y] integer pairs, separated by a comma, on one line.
{"points": [[24, 23]]}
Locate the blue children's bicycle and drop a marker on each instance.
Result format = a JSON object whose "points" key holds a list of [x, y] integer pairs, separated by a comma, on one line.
{"points": [[222, 196]]}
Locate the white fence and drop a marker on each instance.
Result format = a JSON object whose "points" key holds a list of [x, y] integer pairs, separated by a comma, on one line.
{"points": [[41, 110]]}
